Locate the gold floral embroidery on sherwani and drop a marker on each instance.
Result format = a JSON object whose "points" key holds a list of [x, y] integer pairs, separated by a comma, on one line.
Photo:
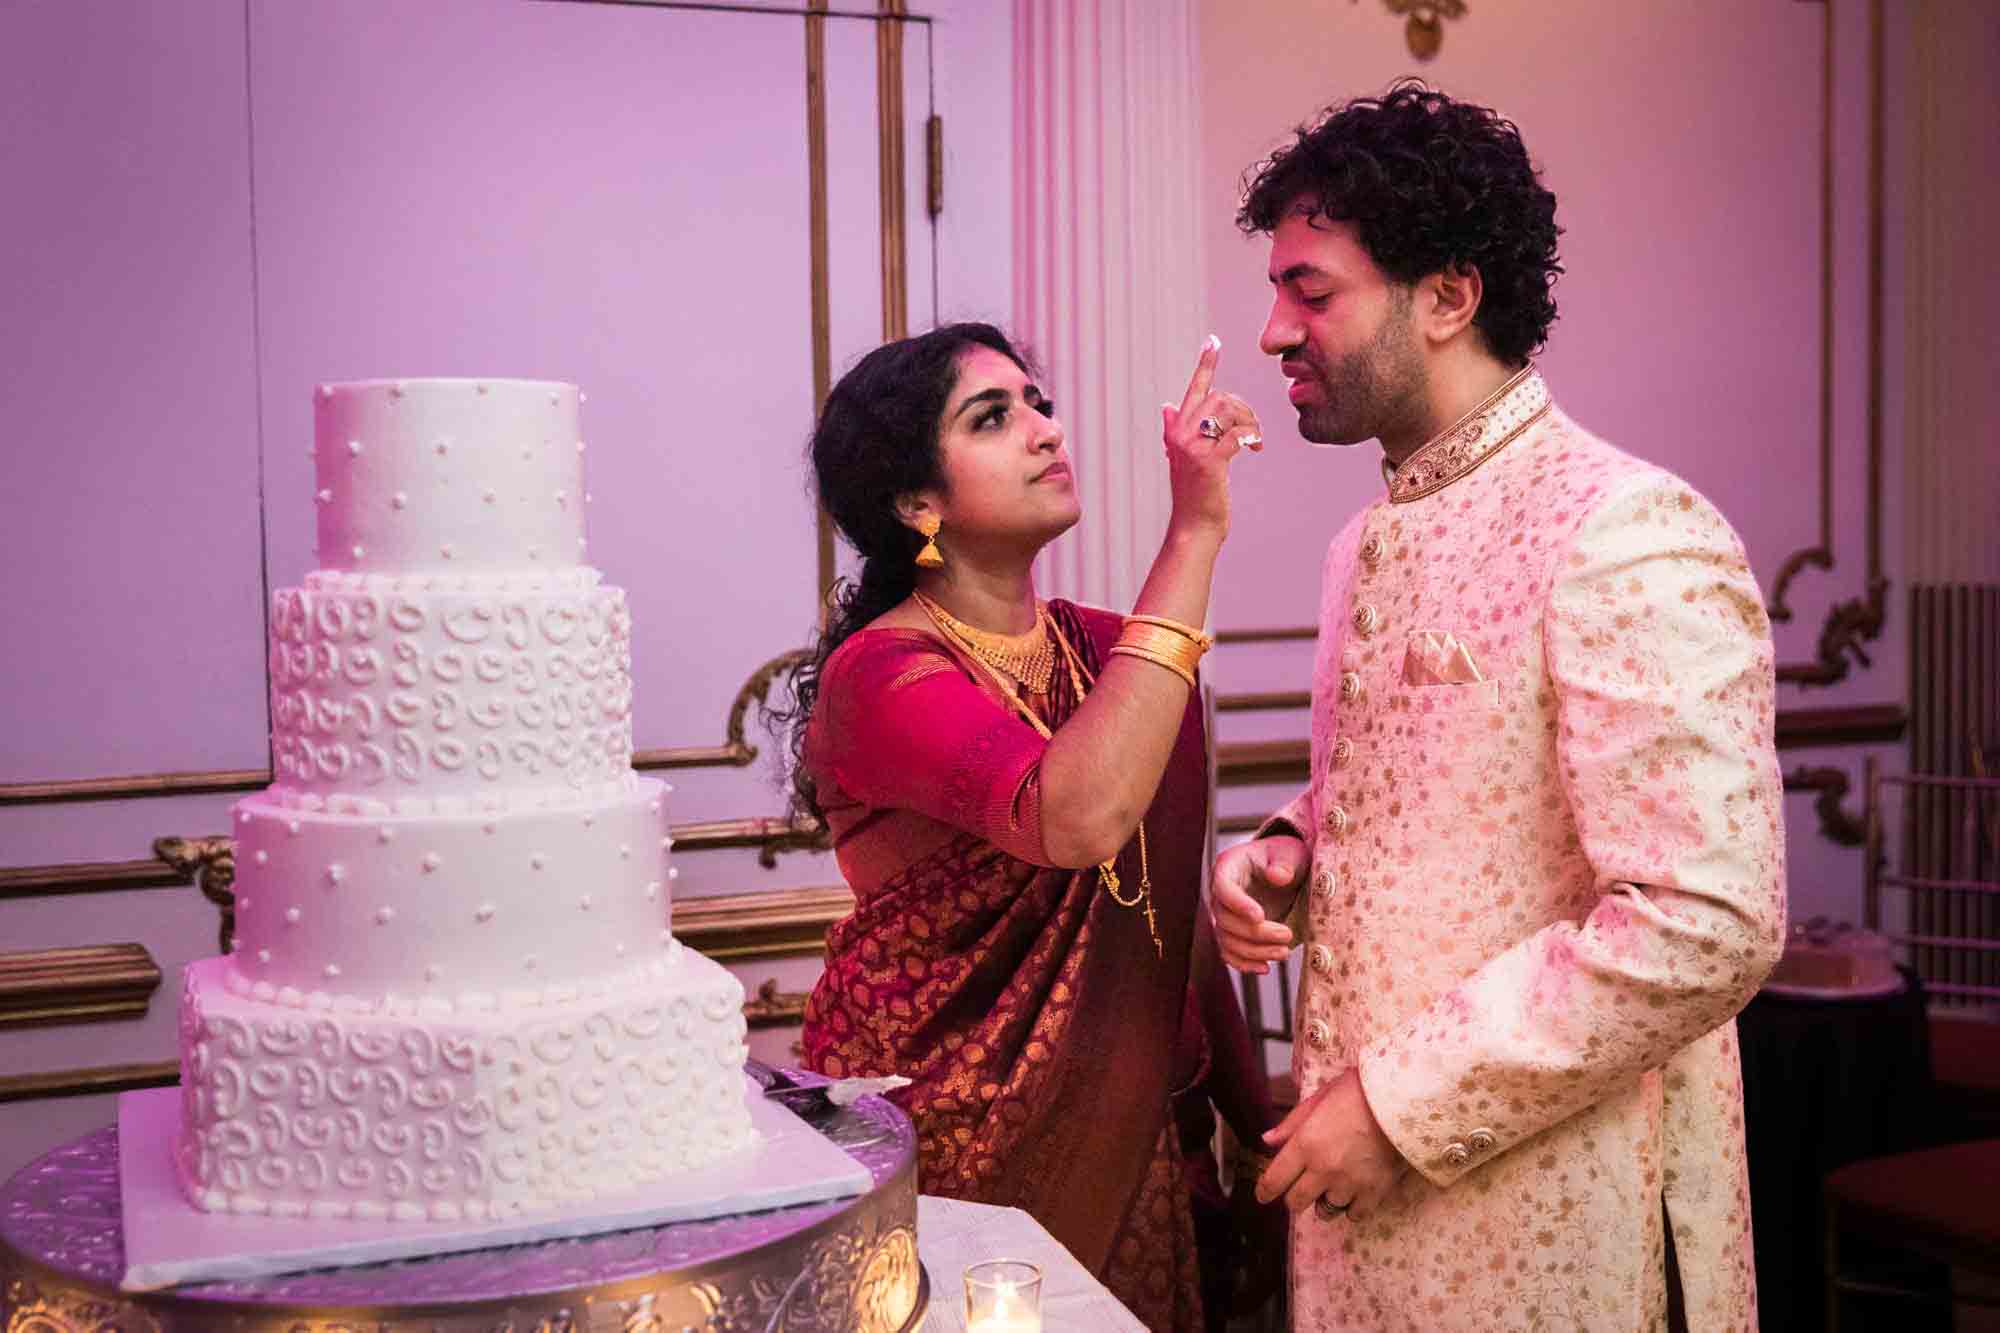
{"points": [[1540, 889]]}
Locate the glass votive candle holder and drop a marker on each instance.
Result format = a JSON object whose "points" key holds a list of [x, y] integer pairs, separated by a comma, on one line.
{"points": [[1003, 1296]]}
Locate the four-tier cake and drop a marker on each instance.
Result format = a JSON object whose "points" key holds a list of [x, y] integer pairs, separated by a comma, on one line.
{"points": [[453, 992]]}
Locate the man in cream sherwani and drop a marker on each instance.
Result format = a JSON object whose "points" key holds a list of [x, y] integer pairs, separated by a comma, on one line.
{"points": [[1539, 864]]}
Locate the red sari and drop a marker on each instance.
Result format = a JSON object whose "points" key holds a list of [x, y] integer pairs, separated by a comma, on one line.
{"points": [[1043, 1035]]}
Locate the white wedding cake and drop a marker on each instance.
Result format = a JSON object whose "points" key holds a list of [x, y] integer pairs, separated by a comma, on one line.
{"points": [[453, 993]]}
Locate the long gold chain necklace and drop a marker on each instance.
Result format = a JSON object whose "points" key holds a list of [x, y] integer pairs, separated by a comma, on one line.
{"points": [[1080, 678], [1029, 658]]}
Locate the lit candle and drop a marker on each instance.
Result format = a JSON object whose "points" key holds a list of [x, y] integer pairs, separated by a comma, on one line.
{"points": [[1003, 1296], [1010, 1314]]}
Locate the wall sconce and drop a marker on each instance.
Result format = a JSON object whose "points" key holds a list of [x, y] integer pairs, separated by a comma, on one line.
{"points": [[1425, 29]]}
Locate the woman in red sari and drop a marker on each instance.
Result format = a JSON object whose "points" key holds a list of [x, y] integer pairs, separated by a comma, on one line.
{"points": [[1018, 796]]}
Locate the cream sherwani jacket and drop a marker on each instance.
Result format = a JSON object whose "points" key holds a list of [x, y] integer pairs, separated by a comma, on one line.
{"points": [[1538, 897]]}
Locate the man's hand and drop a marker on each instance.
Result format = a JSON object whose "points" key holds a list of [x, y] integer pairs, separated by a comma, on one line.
{"points": [[1331, 1147], [1253, 882]]}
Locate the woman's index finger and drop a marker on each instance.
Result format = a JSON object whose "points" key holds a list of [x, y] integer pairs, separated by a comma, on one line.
{"points": [[1204, 374]]}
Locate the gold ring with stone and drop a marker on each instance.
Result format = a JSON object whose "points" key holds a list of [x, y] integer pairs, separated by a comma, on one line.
{"points": [[1327, 1209], [1210, 428]]}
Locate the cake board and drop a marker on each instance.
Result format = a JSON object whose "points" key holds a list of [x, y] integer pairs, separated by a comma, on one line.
{"points": [[169, 1242]]}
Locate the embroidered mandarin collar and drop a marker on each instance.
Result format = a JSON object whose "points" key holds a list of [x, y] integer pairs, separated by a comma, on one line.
{"points": [[1471, 440]]}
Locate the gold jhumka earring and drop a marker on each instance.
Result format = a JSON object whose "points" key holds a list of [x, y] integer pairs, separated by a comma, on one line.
{"points": [[930, 557]]}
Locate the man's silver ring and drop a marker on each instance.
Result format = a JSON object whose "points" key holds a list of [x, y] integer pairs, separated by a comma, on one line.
{"points": [[1327, 1209], [1210, 428]]}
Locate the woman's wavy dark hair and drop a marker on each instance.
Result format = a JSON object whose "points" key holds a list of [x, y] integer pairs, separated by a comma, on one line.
{"points": [[877, 438], [1429, 184]]}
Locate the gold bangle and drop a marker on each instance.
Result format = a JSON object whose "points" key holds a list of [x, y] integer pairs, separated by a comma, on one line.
{"points": [[1164, 643], [1158, 659], [1186, 651], [1126, 650], [1186, 631]]}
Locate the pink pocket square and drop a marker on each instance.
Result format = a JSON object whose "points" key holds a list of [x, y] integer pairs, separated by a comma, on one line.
{"points": [[1436, 657]]}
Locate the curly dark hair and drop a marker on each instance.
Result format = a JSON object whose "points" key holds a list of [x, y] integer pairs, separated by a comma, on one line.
{"points": [[1429, 183], [876, 439]]}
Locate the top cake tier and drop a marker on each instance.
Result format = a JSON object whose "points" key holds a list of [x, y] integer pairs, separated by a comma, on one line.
{"points": [[448, 475]]}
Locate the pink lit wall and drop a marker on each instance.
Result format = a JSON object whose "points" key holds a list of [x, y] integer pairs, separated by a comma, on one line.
{"points": [[131, 392], [135, 639], [214, 206], [1684, 145]]}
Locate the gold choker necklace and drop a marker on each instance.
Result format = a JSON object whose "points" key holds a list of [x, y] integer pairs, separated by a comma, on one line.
{"points": [[1029, 658]]}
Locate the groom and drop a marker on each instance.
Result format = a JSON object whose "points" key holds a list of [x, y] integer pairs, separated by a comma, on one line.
{"points": [[1539, 864]]}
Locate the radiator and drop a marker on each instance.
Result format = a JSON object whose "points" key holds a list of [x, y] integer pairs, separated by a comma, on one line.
{"points": [[1951, 832]]}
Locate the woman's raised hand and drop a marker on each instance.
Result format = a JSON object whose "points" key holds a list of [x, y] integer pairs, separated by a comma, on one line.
{"points": [[1201, 435], [1104, 765]]}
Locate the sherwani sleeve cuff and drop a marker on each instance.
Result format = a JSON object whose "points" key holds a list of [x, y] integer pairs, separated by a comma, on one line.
{"points": [[1406, 1102], [1279, 826], [1293, 821]]}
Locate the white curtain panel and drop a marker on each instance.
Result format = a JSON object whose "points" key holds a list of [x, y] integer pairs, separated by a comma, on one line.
{"points": [[1107, 264]]}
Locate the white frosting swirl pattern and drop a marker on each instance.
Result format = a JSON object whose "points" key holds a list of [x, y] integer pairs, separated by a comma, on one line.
{"points": [[381, 1116], [378, 694]]}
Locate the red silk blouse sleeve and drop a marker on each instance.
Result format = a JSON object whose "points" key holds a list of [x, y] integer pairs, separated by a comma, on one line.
{"points": [[900, 725]]}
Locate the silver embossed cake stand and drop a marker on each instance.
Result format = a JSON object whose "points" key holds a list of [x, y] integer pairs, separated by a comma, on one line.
{"points": [[844, 1265]]}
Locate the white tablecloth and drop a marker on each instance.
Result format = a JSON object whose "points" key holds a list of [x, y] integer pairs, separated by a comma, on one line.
{"points": [[952, 1234]]}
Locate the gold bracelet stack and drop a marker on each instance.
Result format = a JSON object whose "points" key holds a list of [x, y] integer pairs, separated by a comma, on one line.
{"points": [[1168, 643]]}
